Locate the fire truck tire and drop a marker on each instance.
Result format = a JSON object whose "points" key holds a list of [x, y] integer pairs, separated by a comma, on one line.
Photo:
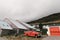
{"points": [[35, 35]]}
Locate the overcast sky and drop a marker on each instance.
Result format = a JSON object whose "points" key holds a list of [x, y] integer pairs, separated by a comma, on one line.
{"points": [[28, 10]]}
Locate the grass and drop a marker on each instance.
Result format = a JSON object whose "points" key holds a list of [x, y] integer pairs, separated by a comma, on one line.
{"points": [[22, 38]]}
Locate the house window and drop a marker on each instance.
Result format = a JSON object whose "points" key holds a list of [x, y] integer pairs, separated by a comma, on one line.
{"points": [[3, 25], [7, 25]]}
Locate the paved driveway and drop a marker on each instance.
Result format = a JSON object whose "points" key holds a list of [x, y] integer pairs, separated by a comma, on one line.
{"points": [[52, 38]]}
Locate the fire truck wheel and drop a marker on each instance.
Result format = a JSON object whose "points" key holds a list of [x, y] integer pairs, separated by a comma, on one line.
{"points": [[35, 35]]}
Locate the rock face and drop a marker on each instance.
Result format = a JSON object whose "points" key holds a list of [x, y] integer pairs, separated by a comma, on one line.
{"points": [[52, 38]]}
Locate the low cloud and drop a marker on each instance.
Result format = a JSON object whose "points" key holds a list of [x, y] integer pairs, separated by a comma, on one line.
{"points": [[28, 10]]}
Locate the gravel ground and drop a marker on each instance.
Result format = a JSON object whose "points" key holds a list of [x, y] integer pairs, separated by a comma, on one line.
{"points": [[3, 38], [52, 38]]}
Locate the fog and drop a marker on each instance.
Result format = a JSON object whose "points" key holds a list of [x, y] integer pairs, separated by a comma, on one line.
{"points": [[28, 10]]}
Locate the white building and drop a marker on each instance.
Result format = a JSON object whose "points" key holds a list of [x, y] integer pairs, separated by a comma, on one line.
{"points": [[19, 28], [4, 28]]}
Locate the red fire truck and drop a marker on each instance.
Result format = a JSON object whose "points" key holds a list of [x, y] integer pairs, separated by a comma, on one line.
{"points": [[32, 33]]}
